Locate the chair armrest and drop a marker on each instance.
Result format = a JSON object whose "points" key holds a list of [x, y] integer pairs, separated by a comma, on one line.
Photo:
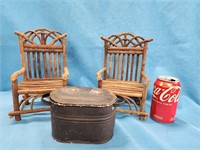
{"points": [[65, 74], [17, 73], [99, 73], [147, 80]]}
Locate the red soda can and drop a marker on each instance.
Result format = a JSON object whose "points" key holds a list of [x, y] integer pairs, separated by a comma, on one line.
{"points": [[166, 92]]}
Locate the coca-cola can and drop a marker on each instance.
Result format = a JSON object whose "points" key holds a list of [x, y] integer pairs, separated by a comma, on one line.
{"points": [[165, 97]]}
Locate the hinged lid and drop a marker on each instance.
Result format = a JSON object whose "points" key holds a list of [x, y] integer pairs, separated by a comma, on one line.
{"points": [[76, 96]]}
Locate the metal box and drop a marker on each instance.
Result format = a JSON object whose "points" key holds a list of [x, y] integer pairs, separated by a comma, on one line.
{"points": [[82, 115]]}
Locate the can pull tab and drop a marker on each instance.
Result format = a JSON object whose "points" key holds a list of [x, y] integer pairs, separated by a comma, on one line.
{"points": [[168, 78]]}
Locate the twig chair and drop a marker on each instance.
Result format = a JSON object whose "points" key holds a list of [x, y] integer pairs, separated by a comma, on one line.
{"points": [[44, 68], [123, 71]]}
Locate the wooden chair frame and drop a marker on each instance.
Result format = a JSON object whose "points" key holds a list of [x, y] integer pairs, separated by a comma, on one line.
{"points": [[123, 71], [42, 52]]}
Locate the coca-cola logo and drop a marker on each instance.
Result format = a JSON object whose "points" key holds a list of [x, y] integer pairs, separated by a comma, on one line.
{"points": [[167, 95]]}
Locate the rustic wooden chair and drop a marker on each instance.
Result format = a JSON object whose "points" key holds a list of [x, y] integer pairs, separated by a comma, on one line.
{"points": [[123, 71], [44, 68]]}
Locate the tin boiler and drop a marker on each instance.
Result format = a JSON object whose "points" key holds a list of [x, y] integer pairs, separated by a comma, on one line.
{"points": [[82, 115]]}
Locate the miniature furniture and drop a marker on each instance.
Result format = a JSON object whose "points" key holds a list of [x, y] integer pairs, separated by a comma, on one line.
{"points": [[123, 71], [44, 68]]}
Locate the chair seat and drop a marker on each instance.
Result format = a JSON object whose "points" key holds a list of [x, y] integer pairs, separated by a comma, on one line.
{"points": [[126, 88], [39, 86]]}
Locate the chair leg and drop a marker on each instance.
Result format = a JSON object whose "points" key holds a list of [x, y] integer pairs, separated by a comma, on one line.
{"points": [[15, 99], [100, 84], [16, 103], [142, 108]]}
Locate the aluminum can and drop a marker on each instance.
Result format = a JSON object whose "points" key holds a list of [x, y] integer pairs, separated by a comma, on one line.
{"points": [[165, 97]]}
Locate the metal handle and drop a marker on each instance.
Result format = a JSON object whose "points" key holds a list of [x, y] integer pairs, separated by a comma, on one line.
{"points": [[119, 102], [43, 100]]}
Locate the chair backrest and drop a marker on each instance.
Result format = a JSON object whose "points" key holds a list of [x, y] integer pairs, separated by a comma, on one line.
{"points": [[125, 56], [43, 53]]}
